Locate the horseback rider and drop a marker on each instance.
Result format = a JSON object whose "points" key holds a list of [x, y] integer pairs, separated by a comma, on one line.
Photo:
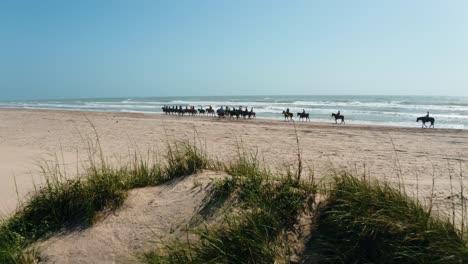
{"points": [[338, 114], [303, 111], [427, 115], [287, 110], [210, 108]]}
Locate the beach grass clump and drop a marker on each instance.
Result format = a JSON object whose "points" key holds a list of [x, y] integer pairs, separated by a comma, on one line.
{"points": [[184, 159], [143, 174], [63, 204], [254, 230], [11, 245], [69, 203], [371, 222]]}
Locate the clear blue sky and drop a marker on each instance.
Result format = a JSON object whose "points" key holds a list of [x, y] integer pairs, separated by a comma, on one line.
{"points": [[98, 48]]}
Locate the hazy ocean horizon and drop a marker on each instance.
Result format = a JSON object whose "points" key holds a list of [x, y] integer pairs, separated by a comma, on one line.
{"points": [[449, 112]]}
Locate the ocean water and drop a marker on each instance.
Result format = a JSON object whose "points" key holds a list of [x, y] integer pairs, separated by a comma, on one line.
{"points": [[449, 112]]}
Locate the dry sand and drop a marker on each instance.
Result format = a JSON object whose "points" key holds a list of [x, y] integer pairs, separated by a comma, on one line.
{"points": [[29, 136]]}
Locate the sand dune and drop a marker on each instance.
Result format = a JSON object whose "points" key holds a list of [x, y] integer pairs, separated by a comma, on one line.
{"points": [[150, 216]]}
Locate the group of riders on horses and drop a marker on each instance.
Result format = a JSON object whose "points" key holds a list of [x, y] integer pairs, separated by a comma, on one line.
{"points": [[338, 116], [302, 116], [179, 110], [233, 112], [305, 116], [222, 112]]}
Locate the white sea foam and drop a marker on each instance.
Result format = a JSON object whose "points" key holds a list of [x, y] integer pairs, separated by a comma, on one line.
{"points": [[380, 110]]}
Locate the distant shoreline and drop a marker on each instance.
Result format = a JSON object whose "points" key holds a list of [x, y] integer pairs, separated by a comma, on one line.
{"points": [[259, 120], [395, 111]]}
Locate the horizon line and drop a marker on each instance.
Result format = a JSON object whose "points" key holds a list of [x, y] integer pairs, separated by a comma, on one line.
{"points": [[200, 96]]}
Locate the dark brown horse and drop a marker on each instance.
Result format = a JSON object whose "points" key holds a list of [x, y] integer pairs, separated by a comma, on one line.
{"points": [[303, 116], [210, 111], [191, 111], [424, 120], [287, 116], [221, 113], [338, 117], [234, 113]]}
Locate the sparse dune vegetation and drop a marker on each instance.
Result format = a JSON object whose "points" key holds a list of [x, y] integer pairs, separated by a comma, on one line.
{"points": [[252, 215], [66, 204]]}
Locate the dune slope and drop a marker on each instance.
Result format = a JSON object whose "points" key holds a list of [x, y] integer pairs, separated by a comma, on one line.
{"points": [[147, 215]]}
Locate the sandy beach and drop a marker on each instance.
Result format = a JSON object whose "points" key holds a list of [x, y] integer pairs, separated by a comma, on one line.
{"points": [[412, 158], [29, 137]]}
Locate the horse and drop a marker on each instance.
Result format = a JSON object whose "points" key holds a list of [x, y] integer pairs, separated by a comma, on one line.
{"points": [[201, 111], [288, 116], [220, 112], [234, 113], [424, 120], [191, 111], [210, 111], [303, 116], [244, 113], [252, 114], [338, 117]]}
